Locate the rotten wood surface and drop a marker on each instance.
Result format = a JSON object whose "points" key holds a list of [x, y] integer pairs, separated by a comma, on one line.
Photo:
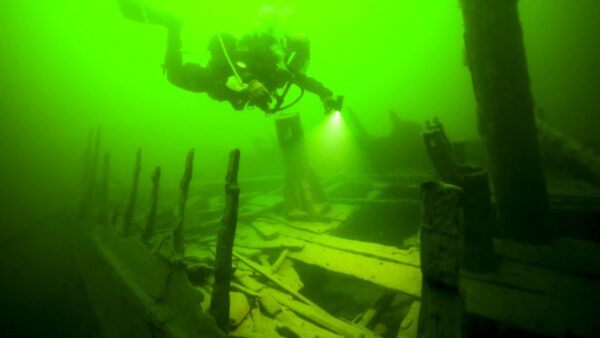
{"points": [[442, 302]]}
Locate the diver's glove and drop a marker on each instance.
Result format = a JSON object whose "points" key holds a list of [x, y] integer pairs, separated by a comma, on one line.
{"points": [[259, 95], [332, 104]]}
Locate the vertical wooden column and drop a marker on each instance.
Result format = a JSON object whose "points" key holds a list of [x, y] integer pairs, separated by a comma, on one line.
{"points": [[442, 304], [220, 302], [496, 58], [303, 194], [128, 217], [151, 220], [178, 240]]}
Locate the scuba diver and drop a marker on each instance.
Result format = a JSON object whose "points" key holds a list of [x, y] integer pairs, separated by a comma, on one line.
{"points": [[252, 71]]}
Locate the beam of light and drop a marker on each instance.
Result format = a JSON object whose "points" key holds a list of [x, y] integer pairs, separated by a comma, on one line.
{"points": [[332, 145]]}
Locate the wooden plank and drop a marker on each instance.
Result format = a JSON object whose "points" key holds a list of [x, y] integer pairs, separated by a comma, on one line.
{"points": [[407, 257], [265, 229], [320, 317], [287, 243], [400, 277]]}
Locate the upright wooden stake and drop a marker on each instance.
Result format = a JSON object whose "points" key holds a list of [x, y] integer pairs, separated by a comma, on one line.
{"points": [[89, 197], [88, 158], [442, 308], [219, 305], [103, 200], [496, 58], [128, 217], [151, 221], [185, 188]]}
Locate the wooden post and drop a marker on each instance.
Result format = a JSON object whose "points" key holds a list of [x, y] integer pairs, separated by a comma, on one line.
{"points": [[178, 240], [442, 308], [479, 255], [219, 306], [496, 58], [303, 195], [103, 199], [151, 221], [88, 158], [89, 197], [128, 217]]}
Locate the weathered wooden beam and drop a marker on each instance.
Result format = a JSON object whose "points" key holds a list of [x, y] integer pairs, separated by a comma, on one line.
{"points": [[103, 198], [442, 305], [577, 159], [219, 305], [89, 198], [184, 186], [151, 220], [496, 58], [128, 217]]}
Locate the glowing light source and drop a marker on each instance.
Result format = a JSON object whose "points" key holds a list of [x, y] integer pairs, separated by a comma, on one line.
{"points": [[336, 118]]}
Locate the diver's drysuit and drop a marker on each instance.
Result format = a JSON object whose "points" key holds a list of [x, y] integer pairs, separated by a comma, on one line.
{"points": [[258, 56]]}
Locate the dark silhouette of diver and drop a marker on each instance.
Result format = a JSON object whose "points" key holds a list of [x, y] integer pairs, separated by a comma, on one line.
{"points": [[245, 72]]}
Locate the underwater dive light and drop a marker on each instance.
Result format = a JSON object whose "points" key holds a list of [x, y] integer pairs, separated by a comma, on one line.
{"points": [[335, 107]]}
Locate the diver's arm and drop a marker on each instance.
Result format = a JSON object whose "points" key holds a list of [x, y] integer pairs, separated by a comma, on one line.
{"points": [[189, 76], [313, 85]]}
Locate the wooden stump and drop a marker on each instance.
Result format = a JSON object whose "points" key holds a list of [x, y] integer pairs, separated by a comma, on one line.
{"points": [[303, 194], [442, 305]]}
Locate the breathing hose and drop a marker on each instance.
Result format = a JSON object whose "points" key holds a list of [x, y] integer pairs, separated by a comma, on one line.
{"points": [[225, 52]]}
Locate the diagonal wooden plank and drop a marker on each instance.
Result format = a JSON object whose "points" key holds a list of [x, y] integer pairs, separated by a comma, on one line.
{"points": [[392, 275]]}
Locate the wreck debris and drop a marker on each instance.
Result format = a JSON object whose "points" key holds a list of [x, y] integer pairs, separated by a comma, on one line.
{"points": [[274, 280], [219, 306], [184, 186], [370, 317], [303, 195], [579, 160], [275, 267], [442, 307], [128, 217], [498, 65], [151, 220]]}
